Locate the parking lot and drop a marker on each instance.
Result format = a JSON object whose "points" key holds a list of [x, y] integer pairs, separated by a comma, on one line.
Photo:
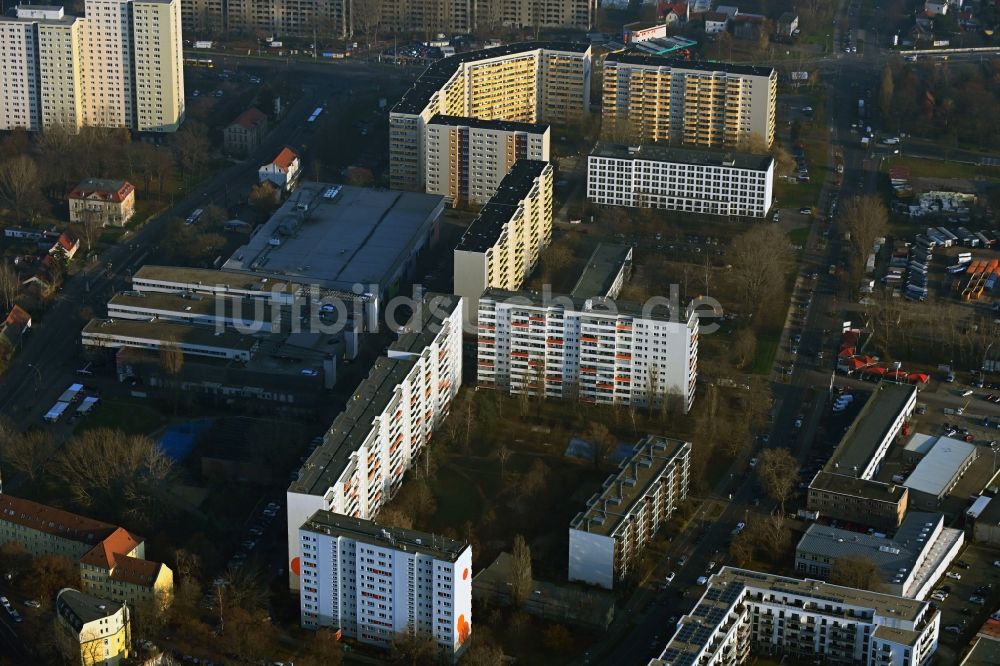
{"points": [[968, 600]]}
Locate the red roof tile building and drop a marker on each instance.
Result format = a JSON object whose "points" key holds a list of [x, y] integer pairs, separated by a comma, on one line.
{"points": [[283, 170], [111, 559], [243, 136], [108, 203]]}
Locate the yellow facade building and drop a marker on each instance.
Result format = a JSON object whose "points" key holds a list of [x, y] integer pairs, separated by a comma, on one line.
{"points": [[97, 630]]}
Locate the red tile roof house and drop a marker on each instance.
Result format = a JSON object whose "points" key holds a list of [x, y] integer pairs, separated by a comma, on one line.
{"points": [[18, 323], [243, 135], [67, 245], [283, 170], [111, 202]]}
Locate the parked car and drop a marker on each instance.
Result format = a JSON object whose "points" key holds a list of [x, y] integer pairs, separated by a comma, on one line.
{"points": [[976, 599], [954, 575], [669, 578]]}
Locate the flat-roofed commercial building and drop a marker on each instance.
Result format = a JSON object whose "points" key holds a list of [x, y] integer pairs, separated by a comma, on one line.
{"points": [[196, 340], [744, 613], [532, 82], [386, 423], [502, 245], [621, 519], [605, 272], [240, 284], [653, 98], [859, 501], [598, 350], [248, 315], [865, 444], [939, 471], [373, 583], [684, 179], [908, 564], [467, 158]]}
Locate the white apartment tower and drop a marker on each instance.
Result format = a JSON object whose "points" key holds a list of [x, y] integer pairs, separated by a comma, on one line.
{"points": [[120, 66], [374, 583], [392, 415], [598, 350]]}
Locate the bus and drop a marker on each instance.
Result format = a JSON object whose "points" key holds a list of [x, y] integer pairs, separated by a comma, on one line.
{"points": [[199, 62], [315, 114], [193, 217]]}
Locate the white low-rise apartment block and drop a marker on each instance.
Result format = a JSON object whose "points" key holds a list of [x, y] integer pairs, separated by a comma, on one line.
{"points": [[682, 179], [502, 245], [599, 350], [386, 423], [466, 158], [607, 538], [908, 564], [745, 613], [119, 66], [375, 583]]}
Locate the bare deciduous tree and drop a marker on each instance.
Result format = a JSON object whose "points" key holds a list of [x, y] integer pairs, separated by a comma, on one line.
{"points": [[366, 15], [856, 571], [19, 181], [778, 471], [761, 258], [866, 219], [10, 285]]}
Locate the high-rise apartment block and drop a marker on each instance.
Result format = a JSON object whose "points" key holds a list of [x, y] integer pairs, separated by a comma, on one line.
{"points": [[744, 613], [534, 82], [502, 245], [651, 98], [598, 350], [374, 583], [386, 423], [120, 66], [691, 180], [467, 158], [543, 13], [606, 539]]}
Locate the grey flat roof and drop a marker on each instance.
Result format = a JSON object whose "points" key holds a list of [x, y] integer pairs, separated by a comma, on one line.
{"points": [[889, 555], [436, 75], [985, 651], [730, 586], [605, 263], [663, 153], [935, 472], [358, 236], [370, 532], [849, 485], [194, 304], [872, 424], [675, 63], [182, 277], [502, 125], [650, 457], [598, 306], [169, 331], [485, 229]]}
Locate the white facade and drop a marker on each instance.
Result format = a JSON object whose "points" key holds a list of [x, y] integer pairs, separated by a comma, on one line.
{"points": [[159, 75], [18, 75], [375, 583], [680, 179], [603, 352], [371, 444], [801, 620], [606, 539], [467, 159]]}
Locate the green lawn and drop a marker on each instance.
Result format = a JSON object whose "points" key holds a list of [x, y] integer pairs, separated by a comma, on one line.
{"points": [[132, 416], [767, 348]]}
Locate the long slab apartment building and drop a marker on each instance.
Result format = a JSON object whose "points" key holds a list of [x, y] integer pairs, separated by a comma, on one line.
{"points": [[299, 17], [502, 245], [118, 66], [532, 82], [744, 613], [373, 583], [624, 516], [714, 105], [602, 351], [683, 179]]}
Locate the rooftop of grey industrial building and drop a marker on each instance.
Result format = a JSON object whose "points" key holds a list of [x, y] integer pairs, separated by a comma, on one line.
{"points": [[196, 279], [485, 230], [894, 556], [499, 125], [945, 461], [728, 588], [370, 532], [650, 458], [842, 484], [338, 236], [701, 157], [171, 332], [675, 63], [869, 428], [606, 262], [437, 74], [191, 303], [595, 306]]}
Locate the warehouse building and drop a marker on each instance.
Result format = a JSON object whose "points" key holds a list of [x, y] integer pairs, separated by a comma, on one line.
{"points": [[936, 474], [866, 443]]}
